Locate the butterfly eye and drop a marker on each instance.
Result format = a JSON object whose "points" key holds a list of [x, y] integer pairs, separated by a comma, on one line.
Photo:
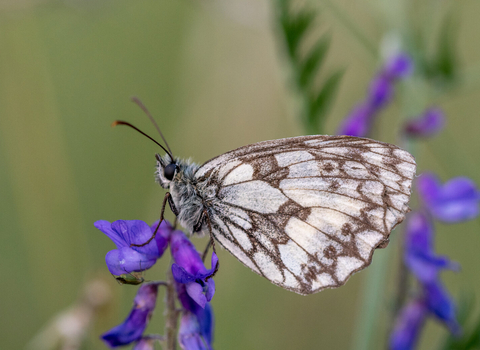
{"points": [[169, 171]]}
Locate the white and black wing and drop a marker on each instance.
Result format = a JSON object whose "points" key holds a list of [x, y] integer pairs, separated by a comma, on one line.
{"points": [[307, 212]]}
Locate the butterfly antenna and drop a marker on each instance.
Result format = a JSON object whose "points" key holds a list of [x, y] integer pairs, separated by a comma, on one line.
{"points": [[120, 122], [142, 106]]}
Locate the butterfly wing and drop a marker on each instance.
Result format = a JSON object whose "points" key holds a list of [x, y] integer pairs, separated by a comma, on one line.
{"points": [[307, 212]]}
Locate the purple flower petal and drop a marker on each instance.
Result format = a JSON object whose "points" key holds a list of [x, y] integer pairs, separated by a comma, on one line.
{"points": [[126, 260], [196, 331], [106, 227], [163, 235], [185, 254], [441, 305], [419, 254], [189, 269], [457, 200], [210, 289], [408, 326], [137, 232], [195, 291], [134, 325], [380, 92], [358, 121], [181, 275], [428, 124], [399, 66]]}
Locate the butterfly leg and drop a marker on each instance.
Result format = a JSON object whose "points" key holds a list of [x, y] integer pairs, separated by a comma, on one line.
{"points": [[162, 212], [211, 242]]}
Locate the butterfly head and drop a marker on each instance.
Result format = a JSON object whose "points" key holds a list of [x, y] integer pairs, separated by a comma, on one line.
{"points": [[173, 170], [167, 169]]}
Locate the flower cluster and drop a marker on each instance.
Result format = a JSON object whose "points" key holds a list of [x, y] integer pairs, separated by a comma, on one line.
{"points": [[455, 201], [193, 284], [380, 93]]}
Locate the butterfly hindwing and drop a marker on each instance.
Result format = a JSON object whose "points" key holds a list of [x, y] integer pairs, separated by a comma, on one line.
{"points": [[307, 212]]}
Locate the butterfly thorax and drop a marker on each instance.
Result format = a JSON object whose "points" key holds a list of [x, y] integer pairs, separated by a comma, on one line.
{"points": [[185, 190]]}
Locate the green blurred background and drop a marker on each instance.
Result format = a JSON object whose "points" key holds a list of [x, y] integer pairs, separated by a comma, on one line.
{"points": [[214, 76]]}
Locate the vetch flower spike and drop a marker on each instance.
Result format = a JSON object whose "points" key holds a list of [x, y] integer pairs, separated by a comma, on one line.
{"points": [[134, 325], [126, 259], [456, 200], [380, 93], [189, 269]]}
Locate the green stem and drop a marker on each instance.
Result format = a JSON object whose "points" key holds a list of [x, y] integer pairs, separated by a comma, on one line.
{"points": [[373, 288], [352, 28]]}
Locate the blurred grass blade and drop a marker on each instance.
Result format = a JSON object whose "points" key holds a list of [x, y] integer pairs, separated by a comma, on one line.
{"points": [[320, 105], [446, 57], [314, 61], [294, 27]]}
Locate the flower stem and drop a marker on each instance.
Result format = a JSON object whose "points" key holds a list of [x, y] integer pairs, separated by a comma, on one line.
{"points": [[374, 286], [171, 314]]}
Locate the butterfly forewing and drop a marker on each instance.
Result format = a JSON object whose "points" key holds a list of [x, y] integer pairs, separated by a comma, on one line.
{"points": [[307, 212]]}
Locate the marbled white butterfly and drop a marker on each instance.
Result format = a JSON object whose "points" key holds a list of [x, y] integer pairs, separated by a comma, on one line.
{"points": [[304, 212]]}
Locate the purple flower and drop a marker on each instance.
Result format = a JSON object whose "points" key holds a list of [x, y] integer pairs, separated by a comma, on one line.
{"points": [[134, 325], [123, 233], [457, 200], [196, 333], [189, 269], [408, 326], [426, 266], [419, 254], [428, 124]]}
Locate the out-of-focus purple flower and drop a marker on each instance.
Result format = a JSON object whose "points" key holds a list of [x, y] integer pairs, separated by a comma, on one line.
{"points": [[428, 124], [192, 334], [358, 122], [145, 344], [456, 200], [134, 325], [380, 93], [441, 305], [123, 233], [421, 260], [408, 326], [419, 254], [189, 269], [398, 66]]}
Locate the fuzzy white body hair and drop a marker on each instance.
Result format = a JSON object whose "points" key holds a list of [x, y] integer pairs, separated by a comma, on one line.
{"points": [[186, 191]]}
